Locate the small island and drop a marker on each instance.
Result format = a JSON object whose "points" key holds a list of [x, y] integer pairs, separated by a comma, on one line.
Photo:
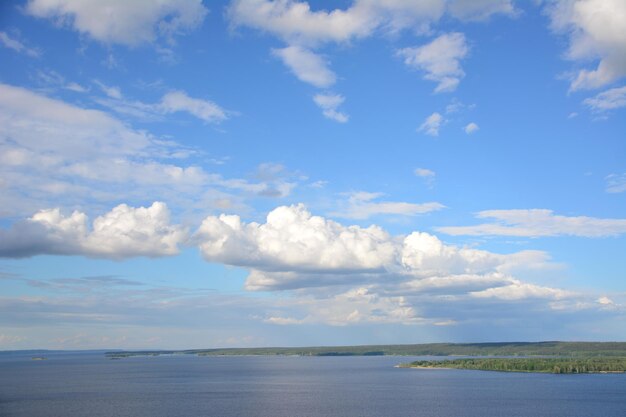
{"points": [[543, 365]]}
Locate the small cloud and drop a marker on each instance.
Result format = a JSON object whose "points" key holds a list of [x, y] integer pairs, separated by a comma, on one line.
{"points": [[318, 184], [177, 101], [605, 301], [616, 183], [439, 60], [471, 128], [424, 173], [572, 115], [329, 103], [427, 175], [432, 124], [307, 66]]}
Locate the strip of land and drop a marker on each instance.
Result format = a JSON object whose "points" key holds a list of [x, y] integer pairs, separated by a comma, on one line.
{"points": [[543, 365], [581, 350]]}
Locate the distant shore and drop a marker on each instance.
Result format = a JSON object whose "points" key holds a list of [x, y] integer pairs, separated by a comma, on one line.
{"points": [[555, 349]]}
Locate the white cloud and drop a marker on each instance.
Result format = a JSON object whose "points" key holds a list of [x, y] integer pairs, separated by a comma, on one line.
{"points": [[176, 101], [306, 65], [596, 32], [616, 183], [424, 173], [539, 223], [293, 244], [479, 10], [124, 232], [129, 23], [439, 60], [293, 239], [614, 98], [362, 205], [11, 43], [432, 124], [471, 128], [329, 103], [296, 23]]}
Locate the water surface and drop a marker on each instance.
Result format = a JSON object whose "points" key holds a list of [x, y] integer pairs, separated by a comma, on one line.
{"points": [[88, 384]]}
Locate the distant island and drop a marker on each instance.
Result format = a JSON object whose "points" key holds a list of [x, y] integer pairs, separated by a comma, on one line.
{"points": [[547, 357]]}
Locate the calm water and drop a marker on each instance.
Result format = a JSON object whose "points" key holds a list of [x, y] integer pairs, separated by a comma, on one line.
{"points": [[87, 384]]}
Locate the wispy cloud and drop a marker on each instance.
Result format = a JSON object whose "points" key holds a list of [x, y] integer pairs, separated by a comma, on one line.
{"points": [[9, 42], [612, 99], [363, 205], [538, 223], [616, 183]]}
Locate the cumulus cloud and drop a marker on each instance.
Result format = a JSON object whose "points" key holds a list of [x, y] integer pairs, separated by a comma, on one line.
{"points": [[124, 232], [538, 223], [596, 32], [439, 59], [293, 242], [362, 205], [306, 65], [329, 104], [130, 23], [432, 124], [616, 183], [611, 99], [471, 128], [9, 42], [292, 239]]}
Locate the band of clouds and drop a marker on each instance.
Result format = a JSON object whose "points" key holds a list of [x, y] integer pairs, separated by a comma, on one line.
{"points": [[336, 274], [51, 150]]}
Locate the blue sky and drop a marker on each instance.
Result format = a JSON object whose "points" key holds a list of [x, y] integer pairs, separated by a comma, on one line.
{"points": [[252, 173]]}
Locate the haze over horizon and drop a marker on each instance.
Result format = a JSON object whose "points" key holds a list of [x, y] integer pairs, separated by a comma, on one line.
{"points": [[249, 173]]}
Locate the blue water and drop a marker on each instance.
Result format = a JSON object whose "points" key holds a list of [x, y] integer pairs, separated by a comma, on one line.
{"points": [[88, 384]]}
